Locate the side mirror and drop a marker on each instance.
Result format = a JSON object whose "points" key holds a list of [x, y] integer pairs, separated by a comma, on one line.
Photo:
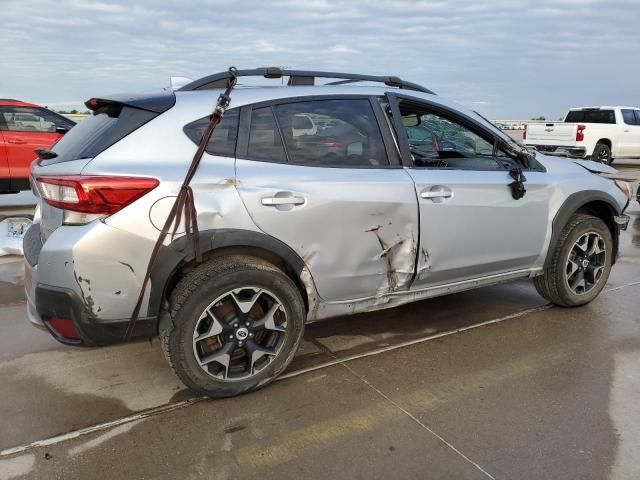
{"points": [[61, 130]]}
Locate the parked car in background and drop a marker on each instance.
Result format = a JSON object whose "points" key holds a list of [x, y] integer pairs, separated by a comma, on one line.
{"points": [[25, 127], [600, 133], [314, 201]]}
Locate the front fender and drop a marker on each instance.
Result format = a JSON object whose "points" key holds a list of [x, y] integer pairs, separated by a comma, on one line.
{"points": [[575, 202]]}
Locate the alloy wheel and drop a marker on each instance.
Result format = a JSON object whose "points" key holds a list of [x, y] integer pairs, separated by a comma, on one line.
{"points": [[240, 333], [586, 263]]}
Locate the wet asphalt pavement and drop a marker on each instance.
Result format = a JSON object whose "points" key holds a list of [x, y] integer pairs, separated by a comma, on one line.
{"points": [[491, 383]]}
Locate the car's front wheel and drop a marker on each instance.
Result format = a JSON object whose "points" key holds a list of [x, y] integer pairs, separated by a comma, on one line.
{"points": [[580, 263], [236, 325]]}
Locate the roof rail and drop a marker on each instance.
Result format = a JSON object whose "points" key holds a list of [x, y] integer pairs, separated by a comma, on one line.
{"points": [[299, 77]]}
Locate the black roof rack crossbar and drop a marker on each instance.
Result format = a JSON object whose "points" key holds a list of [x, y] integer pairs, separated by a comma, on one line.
{"points": [[299, 77]]}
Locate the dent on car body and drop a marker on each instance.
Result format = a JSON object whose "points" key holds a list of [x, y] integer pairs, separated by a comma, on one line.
{"points": [[595, 167]]}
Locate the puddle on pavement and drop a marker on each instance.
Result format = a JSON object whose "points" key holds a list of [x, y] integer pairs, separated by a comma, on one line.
{"points": [[11, 280]]}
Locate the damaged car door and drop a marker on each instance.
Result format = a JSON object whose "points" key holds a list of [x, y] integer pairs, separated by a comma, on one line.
{"points": [[317, 175], [471, 224]]}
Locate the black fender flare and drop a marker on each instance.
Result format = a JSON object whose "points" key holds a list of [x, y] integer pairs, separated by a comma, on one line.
{"points": [[571, 205], [180, 252]]}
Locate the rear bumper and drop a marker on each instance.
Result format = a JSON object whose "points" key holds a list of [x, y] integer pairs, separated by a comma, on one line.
{"points": [[54, 302], [561, 150], [69, 279]]}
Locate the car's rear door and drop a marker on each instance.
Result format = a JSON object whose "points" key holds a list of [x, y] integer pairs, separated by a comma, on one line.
{"points": [[470, 224], [316, 174]]}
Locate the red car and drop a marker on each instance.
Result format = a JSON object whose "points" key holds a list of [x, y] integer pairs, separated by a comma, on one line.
{"points": [[23, 128]]}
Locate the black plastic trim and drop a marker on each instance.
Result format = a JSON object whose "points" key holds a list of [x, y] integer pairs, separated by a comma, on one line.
{"points": [[180, 252], [570, 206], [14, 185], [387, 136], [64, 303], [20, 184], [5, 186]]}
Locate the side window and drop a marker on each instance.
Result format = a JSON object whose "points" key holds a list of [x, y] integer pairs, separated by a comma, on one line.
{"points": [[436, 141], [223, 140], [637, 117], [332, 133], [264, 139], [29, 119], [629, 117]]}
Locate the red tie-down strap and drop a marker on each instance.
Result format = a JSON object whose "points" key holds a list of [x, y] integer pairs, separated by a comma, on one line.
{"points": [[184, 204]]}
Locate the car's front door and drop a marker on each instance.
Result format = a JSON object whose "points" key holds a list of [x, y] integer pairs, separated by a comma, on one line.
{"points": [[316, 174], [630, 137], [471, 225]]}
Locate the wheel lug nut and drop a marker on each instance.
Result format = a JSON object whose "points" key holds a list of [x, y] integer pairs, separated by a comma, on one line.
{"points": [[248, 323], [251, 334], [235, 325], [230, 337]]}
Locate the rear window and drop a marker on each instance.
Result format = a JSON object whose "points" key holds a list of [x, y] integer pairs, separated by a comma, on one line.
{"points": [[590, 116], [90, 137]]}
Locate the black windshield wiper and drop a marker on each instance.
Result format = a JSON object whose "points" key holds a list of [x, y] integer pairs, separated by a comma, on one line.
{"points": [[45, 154]]}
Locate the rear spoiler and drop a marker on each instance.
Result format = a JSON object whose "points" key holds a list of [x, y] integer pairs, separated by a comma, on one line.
{"points": [[157, 102]]}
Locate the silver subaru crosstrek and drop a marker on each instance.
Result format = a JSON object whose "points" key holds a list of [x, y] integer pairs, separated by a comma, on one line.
{"points": [[312, 201]]}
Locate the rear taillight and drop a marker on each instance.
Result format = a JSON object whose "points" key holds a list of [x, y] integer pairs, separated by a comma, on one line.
{"points": [[524, 132], [101, 195], [580, 133]]}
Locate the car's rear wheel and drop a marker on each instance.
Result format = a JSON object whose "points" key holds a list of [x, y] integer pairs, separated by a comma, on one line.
{"points": [[580, 263], [602, 154], [236, 325]]}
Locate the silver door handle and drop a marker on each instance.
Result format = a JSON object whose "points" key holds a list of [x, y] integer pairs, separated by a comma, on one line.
{"points": [[275, 201], [437, 194]]}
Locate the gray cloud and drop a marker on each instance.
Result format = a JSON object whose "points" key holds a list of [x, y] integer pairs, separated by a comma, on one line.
{"points": [[502, 57]]}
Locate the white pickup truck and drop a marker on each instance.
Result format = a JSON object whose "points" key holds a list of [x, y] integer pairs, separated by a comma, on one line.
{"points": [[600, 133]]}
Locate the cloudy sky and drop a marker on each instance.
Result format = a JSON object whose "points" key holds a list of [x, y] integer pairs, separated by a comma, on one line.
{"points": [[504, 58]]}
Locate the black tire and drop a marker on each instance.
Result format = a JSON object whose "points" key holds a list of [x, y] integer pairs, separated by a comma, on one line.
{"points": [[194, 295], [554, 283], [602, 154]]}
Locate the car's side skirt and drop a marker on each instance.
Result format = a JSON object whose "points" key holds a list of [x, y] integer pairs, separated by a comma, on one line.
{"points": [[394, 299]]}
